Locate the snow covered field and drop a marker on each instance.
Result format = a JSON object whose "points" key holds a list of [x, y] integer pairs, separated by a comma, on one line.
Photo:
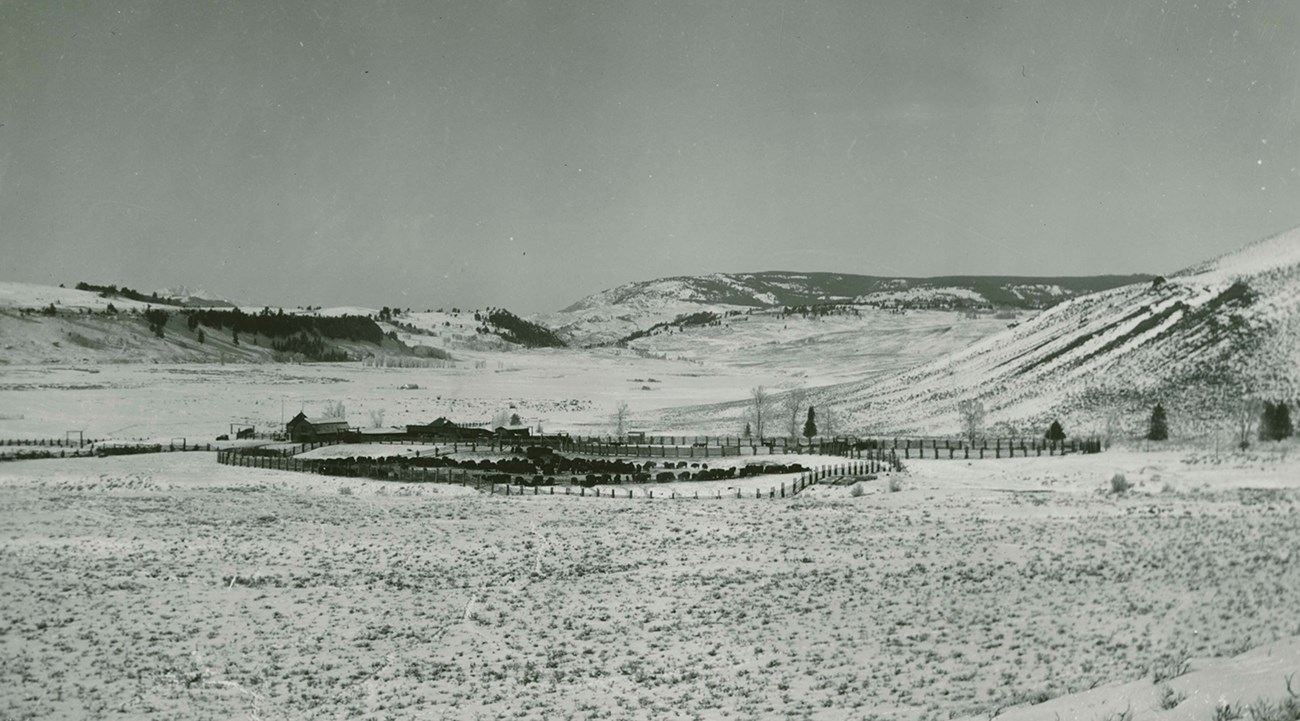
{"points": [[561, 390], [169, 586]]}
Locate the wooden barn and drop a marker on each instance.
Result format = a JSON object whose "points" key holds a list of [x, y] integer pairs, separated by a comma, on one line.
{"points": [[301, 428], [443, 428]]}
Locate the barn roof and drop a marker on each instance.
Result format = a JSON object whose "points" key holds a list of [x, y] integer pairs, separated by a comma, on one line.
{"points": [[319, 421]]}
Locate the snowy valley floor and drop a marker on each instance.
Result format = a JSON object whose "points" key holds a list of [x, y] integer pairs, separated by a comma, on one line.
{"points": [[167, 586]]}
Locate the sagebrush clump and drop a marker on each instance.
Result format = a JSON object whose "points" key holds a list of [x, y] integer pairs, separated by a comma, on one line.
{"points": [[1119, 484]]}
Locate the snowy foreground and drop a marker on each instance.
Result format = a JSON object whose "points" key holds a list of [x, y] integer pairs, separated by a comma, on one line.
{"points": [[172, 587]]}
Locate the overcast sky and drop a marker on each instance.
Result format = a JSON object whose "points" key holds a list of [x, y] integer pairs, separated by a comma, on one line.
{"points": [[525, 154]]}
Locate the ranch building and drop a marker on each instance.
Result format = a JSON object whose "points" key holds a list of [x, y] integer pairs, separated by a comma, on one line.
{"points": [[301, 428], [448, 430]]}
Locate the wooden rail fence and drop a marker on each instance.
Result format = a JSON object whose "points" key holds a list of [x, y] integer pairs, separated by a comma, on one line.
{"points": [[32, 449], [688, 447], [480, 479]]}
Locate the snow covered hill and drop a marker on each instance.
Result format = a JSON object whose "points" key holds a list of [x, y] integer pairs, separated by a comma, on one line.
{"points": [[1198, 342], [104, 324], [613, 314]]}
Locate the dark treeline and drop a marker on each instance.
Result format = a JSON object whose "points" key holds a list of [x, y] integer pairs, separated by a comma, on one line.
{"points": [[310, 346], [112, 291], [820, 309], [517, 330], [284, 325], [685, 320]]}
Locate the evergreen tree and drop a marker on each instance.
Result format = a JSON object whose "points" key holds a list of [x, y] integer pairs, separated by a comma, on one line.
{"points": [[748, 432], [1055, 432], [515, 420], [1275, 423], [1282, 427], [1266, 421], [810, 425], [157, 319], [1159, 427], [202, 338]]}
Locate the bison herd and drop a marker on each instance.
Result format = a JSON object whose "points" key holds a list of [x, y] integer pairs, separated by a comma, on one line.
{"points": [[542, 466]]}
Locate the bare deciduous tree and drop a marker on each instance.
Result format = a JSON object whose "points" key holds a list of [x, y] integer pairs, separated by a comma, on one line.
{"points": [[620, 419], [377, 418], [826, 422], [794, 402], [972, 418], [335, 409], [760, 403], [1111, 426], [1245, 413]]}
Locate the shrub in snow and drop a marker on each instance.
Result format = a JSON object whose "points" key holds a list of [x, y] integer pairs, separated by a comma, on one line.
{"points": [[1119, 484]]}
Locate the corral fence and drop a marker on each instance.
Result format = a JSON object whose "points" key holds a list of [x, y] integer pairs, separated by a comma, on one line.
{"points": [[497, 483], [686, 447], [937, 448], [25, 449]]}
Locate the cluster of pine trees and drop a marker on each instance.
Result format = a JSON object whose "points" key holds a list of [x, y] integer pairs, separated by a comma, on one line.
{"points": [[820, 309], [112, 291], [157, 319], [682, 321], [311, 347], [517, 330], [1274, 423], [283, 325]]}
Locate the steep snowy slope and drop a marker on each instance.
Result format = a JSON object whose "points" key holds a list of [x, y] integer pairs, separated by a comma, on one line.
{"points": [[1198, 342]]}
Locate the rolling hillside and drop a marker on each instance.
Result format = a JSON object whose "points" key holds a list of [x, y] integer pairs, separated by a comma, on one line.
{"points": [[1197, 342], [106, 324], [55, 325], [616, 313]]}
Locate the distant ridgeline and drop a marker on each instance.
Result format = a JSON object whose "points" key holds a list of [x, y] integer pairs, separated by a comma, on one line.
{"points": [[774, 289], [112, 291], [1028, 293], [517, 330]]}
